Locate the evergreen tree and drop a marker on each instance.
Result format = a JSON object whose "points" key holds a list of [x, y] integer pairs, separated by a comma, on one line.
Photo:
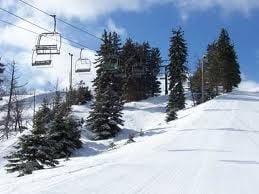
{"points": [[141, 64], [105, 118], [229, 62], [35, 150], [177, 73], [83, 94], [154, 63], [118, 74], [55, 134], [196, 83], [213, 70], [64, 133], [144, 83], [127, 62]]}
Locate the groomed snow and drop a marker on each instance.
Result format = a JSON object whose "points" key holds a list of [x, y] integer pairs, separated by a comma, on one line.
{"points": [[210, 149]]}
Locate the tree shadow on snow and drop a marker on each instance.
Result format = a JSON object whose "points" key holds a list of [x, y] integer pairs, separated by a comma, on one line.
{"points": [[158, 109], [91, 148]]}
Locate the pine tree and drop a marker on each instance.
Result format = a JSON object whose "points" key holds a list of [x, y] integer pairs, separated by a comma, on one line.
{"points": [[133, 69], [229, 62], [196, 83], [177, 73], [55, 134], [83, 94], [64, 132], [105, 117], [119, 74], [145, 82], [154, 64], [35, 150], [213, 70]]}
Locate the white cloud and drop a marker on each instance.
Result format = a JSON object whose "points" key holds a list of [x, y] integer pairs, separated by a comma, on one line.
{"points": [[114, 28], [18, 46], [227, 6], [92, 9]]}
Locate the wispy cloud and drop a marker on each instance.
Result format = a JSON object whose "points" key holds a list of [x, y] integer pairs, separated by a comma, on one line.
{"points": [[115, 28]]}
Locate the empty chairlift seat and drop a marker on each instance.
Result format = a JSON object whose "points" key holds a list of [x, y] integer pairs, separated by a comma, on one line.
{"points": [[40, 60], [48, 44], [83, 64]]}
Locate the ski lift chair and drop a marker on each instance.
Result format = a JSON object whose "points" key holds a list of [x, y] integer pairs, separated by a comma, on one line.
{"points": [[83, 64], [48, 43], [40, 61], [113, 64]]}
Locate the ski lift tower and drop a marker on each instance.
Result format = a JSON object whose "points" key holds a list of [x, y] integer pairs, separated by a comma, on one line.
{"points": [[166, 75]]}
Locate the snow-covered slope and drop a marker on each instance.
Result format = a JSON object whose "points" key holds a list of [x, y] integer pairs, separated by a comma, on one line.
{"points": [[210, 149]]}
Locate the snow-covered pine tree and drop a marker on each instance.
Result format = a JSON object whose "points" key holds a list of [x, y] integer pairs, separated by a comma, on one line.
{"points": [[105, 117], [63, 130], [177, 73], [35, 150], [65, 134]]}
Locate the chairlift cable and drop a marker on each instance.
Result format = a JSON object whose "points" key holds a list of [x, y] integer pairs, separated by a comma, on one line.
{"points": [[25, 29], [61, 20], [11, 24], [38, 26]]}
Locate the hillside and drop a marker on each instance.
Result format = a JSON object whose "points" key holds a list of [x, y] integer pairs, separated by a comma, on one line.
{"points": [[212, 148]]}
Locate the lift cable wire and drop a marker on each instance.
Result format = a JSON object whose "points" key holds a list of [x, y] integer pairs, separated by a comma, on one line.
{"points": [[61, 20], [26, 29], [36, 25]]}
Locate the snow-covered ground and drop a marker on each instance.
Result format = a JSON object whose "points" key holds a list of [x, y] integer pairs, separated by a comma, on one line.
{"points": [[212, 149]]}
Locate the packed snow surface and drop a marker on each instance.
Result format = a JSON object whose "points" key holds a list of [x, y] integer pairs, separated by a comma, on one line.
{"points": [[211, 149]]}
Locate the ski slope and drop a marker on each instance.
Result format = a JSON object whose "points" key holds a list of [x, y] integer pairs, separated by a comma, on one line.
{"points": [[210, 149]]}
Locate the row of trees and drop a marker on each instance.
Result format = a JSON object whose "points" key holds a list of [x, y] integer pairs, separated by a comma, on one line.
{"points": [[141, 65], [219, 68], [124, 73]]}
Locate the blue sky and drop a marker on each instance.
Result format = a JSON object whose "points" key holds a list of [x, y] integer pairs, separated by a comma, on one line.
{"points": [[142, 20], [200, 29]]}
